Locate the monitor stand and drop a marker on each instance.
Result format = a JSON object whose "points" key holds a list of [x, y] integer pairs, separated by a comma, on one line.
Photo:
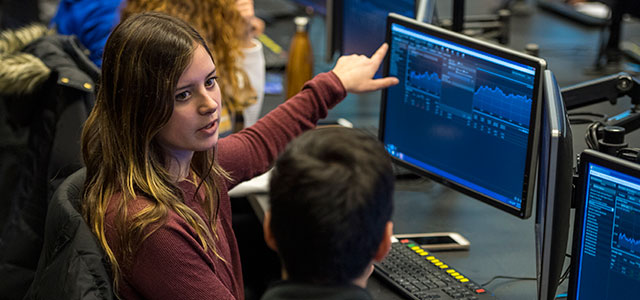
{"points": [[404, 174], [494, 27], [610, 54], [517, 7]]}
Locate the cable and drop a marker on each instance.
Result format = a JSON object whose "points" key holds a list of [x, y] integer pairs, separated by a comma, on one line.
{"points": [[591, 136], [565, 275], [506, 277], [575, 117], [630, 154]]}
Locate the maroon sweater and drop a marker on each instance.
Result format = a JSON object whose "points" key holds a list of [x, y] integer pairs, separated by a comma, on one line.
{"points": [[171, 263]]}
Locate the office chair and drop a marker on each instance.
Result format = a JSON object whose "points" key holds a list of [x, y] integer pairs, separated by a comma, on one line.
{"points": [[72, 263]]}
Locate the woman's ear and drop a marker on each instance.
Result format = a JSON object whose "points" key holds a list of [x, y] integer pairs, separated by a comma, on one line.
{"points": [[266, 228], [385, 243]]}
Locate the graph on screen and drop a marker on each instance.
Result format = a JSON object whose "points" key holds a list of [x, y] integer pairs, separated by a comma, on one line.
{"points": [[612, 227], [427, 82], [628, 243], [423, 72], [626, 227], [456, 97], [512, 107]]}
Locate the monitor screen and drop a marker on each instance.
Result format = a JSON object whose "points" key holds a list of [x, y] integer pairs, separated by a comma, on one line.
{"points": [[606, 247], [363, 23], [465, 112], [555, 184]]}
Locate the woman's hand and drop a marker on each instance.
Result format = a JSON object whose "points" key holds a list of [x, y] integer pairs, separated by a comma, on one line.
{"points": [[356, 72], [255, 25], [245, 7]]}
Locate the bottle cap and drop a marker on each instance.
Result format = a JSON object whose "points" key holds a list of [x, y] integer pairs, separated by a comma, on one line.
{"points": [[532, 49], [301, 23]]}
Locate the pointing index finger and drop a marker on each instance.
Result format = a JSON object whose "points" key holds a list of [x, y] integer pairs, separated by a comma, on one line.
{"points": [[378, 56]]}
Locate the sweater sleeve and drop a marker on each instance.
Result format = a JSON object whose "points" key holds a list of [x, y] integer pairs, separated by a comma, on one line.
{"points": [[251, 151], [170, 264]]}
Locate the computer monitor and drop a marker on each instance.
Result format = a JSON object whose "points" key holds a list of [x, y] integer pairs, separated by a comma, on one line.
{"points": [[606, 245], [555, 185], [466, 113], [357, 26]]}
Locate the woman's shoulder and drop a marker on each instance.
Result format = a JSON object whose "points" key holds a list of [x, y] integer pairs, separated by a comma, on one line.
{"points": [[171, 224], [135, 205]]}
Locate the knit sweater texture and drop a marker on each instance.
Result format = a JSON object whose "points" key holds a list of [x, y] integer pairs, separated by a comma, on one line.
{"points": [[171, 263]]}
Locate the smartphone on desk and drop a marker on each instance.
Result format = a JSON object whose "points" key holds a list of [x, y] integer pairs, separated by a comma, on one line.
{"points": [[437, 241]]}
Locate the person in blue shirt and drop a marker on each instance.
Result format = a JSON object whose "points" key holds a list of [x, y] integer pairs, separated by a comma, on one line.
{"points": [[90, 20]]}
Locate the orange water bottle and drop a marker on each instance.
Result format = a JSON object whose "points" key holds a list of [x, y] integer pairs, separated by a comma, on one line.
{"points": [[300, 64]]}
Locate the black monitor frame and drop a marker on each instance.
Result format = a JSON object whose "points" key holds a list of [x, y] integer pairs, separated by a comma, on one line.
{"points": [[532, 149], [555, 186], [604, 160], [334, 26]]}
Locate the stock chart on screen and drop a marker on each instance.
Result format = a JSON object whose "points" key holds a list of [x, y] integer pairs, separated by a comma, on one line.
{"points": [[473, 109]]}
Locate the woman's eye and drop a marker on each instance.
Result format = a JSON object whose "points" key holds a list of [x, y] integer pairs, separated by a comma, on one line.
{"points": [[210, 82], [183, 96]]}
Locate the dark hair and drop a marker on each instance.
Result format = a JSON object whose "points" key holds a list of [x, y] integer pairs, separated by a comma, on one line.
{"points": [[331, 197]]}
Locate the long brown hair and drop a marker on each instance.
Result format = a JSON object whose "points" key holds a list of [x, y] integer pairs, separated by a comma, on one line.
{"points": [[221, 26], [143, 60]]}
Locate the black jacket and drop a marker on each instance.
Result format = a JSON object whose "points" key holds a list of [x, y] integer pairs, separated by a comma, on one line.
{"points": [[287, 290], [47, 88], [72, 264]]}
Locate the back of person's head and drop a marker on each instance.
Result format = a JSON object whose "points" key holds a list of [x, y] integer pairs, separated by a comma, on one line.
{"points": [[331, 199]]}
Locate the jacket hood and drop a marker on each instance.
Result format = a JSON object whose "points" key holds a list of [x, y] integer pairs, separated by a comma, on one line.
{"points": [[21, 73]]}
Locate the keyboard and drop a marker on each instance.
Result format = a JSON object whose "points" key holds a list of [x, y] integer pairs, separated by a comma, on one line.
{"points": [[418, 275]]}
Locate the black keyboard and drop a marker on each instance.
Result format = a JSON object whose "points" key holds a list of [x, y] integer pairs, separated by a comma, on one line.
{"points": [[419, 275]]}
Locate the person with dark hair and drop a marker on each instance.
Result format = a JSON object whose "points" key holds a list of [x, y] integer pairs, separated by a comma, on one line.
{"points": [[330, 214], [157, 178]]}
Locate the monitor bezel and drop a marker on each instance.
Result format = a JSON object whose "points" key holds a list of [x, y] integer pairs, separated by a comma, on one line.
{"points": [[587, 157], [532, 152], [555, 182]]}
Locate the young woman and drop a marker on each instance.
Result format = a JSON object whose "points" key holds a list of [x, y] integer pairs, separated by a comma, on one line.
{"points": [[157, 174], [226, 27]]}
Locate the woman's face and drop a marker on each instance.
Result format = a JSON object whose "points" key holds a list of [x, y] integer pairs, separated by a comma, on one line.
{"points": [[193, 126]]}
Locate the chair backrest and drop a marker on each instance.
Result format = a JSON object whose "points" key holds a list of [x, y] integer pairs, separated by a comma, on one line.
{"points": [[72, 264]]}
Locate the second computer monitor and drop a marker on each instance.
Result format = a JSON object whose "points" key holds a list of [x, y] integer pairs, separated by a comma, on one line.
{"points": [[364, 23], [465, 113], [357, 26], [555, 184], [606, 246]]}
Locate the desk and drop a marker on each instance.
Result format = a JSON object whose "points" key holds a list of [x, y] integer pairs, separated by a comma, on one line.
{"points": [[500, 243]]}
